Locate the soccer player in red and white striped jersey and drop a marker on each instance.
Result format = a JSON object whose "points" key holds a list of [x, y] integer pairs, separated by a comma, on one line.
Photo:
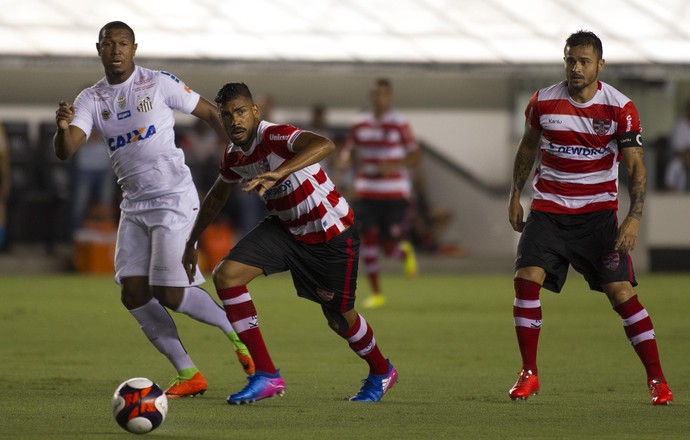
{"points": [[384, 149], [577, 132], [309, 232]]}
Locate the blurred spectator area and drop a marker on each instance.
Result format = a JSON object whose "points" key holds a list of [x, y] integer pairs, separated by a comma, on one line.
{"points": [[39, 198]]}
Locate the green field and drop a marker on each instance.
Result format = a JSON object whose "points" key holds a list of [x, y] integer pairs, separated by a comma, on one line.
{"points": [[66, 343]]}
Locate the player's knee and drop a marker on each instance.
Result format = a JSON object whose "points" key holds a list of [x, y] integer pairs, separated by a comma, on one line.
{"points": [[134, 293], [170, 297], [225, 275], [618, 293], [336, 321]]}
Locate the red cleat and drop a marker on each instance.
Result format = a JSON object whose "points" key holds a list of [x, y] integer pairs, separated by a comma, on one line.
{"points": [[526, 385], [660, 392]]}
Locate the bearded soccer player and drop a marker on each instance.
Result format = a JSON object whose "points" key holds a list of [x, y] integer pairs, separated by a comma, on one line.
{"points": [[309, 232], [583, 128], [132, 107]]}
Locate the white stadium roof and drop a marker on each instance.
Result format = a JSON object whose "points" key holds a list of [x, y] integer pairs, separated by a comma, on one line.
{"points": [[424, 32]]}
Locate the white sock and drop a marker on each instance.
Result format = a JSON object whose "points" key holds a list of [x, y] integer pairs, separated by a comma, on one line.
{"points": [[160, 328], [198, 304]]}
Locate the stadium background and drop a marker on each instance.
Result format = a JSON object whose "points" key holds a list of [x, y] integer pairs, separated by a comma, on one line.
{"points": [[462, 72]]}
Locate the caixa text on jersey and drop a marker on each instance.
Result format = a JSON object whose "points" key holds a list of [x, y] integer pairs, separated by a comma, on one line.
{"points": [[137, 135]]}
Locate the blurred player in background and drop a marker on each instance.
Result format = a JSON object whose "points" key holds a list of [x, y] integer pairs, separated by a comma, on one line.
{"points": [[132, 107], [384, 149], [309, 232], [582, 127]]}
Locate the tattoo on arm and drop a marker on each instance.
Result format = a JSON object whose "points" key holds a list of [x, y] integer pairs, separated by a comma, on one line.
{"points": [[637, 187], [521, 170]]}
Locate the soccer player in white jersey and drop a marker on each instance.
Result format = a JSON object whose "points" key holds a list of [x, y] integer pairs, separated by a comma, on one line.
{"points": [[383, 148], [578, 131], [132, 107], [309, 232]]}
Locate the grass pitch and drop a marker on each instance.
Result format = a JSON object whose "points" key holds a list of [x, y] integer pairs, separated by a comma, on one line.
{"points": [[66, 343]]}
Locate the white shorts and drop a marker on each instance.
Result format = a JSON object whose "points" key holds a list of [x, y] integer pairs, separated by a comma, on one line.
{"points": [[151, 239]]}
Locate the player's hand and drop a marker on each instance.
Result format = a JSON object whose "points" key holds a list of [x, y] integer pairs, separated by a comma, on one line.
{"points": [[262, 183], [627, 234], [64, 115], [189, 261], [516, 214], [389, 167]]}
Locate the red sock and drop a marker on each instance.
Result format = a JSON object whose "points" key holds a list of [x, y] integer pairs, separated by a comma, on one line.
{"points": [[640, 332], [370, 257], [241, 313], [362, 341], [527, 317]]}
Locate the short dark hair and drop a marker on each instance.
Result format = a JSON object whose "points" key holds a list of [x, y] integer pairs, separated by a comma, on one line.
{"points": [[115, 25], [585, 38], [385, 82], [231, 91]]}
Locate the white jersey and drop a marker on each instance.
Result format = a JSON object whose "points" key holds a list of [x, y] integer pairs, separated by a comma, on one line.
{"points": [[136, 121]]}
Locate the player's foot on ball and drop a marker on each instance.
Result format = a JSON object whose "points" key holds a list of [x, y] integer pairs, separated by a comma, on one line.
{"points": [[186, 388], [376, 385], [526, 385], [660, 392], [374, 302], [261, 386]]}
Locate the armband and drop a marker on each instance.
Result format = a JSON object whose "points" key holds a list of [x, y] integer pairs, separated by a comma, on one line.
{"points": [[630, 139]]}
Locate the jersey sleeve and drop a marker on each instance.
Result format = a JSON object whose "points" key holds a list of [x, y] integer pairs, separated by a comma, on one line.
{"points": [[83, 112], [629, 129], [280, 138], [532, 111], [177, 94]]}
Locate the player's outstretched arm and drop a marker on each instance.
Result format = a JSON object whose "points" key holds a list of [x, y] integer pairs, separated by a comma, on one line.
{"points": [[68, 138], [310, 148]]}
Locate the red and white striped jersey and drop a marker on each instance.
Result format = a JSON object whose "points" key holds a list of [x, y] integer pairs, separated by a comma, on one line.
{"points": [[577, 170], [376, 141], [306, 201]]}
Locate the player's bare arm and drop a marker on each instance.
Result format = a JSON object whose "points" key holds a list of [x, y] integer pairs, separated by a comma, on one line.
{"points": [[210, 207], [310, 148], [522, 167], [411, 160], [637, 189], [68, 138], [208, 112]]}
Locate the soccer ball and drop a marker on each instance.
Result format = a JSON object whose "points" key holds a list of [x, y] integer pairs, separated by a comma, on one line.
{"points": [[139, 405]]}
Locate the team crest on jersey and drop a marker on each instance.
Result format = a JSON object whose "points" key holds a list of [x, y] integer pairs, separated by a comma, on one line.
{"points": [[601, 126], [144, 105], [612, 261], [325, 294], [121, 101], [106, 115]]}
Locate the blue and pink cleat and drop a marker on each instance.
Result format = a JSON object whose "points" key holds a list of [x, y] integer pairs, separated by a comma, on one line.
{"points": [[261, 386], [375, 386]]}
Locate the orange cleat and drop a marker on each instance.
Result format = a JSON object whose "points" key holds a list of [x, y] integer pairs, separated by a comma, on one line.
{"points": [[187, 388], [660, 392], [526, 385], [246, 361]]}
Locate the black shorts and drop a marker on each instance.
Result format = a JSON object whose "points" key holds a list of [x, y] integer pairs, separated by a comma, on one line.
{"points": [[391, 217], [325, 273], [585, 241]]}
